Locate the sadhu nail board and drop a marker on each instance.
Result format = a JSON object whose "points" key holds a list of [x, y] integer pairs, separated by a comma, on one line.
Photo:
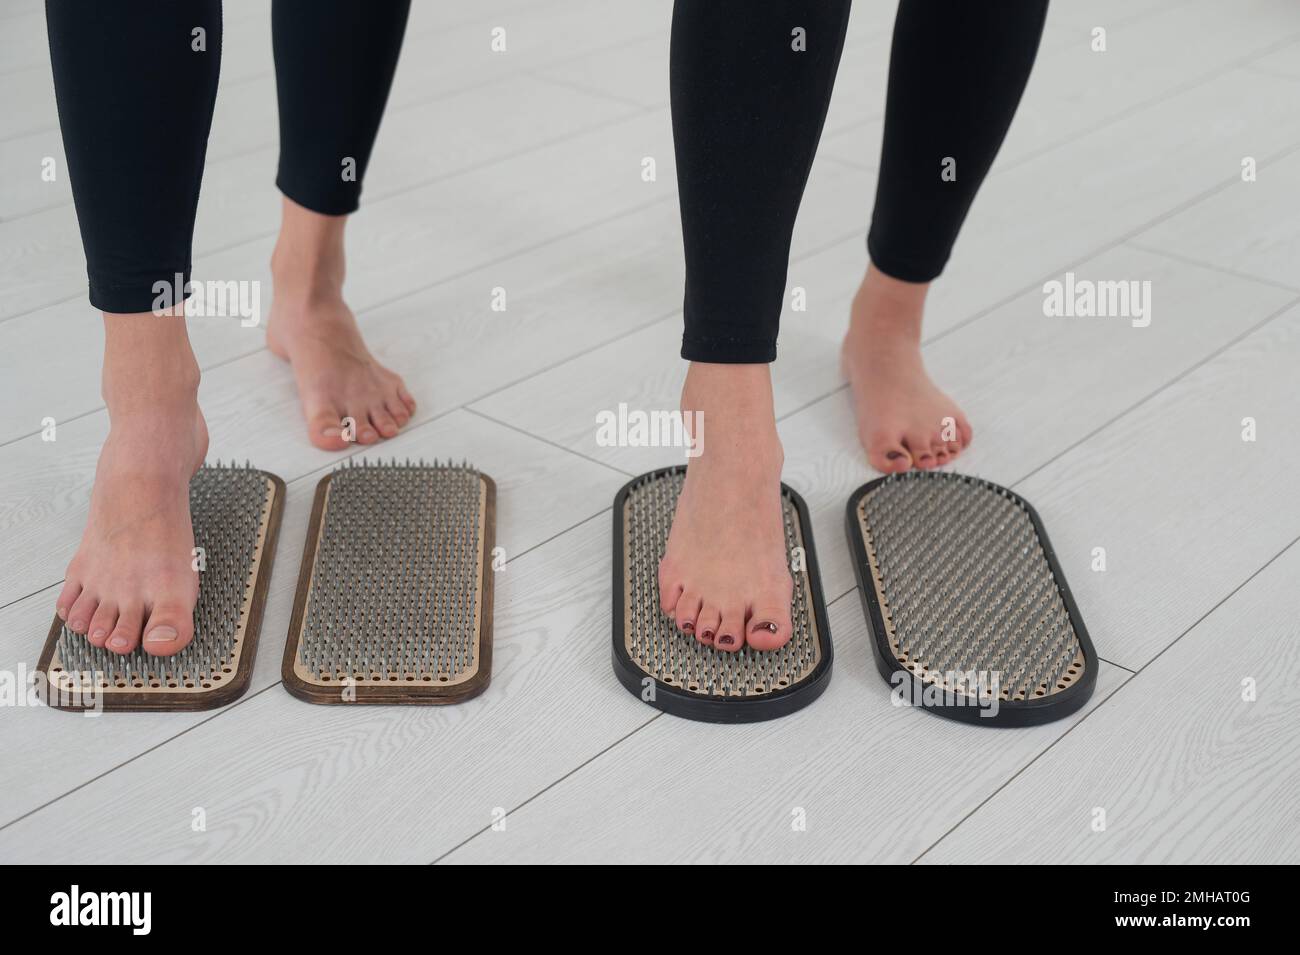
{"points": [[394, 600], [970, 614], [673, 671], [235, 513]]}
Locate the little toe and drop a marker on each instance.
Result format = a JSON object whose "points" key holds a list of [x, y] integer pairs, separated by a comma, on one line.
{"points": [[731, 629], [125, 636], [102, 623], [688, 610], [169, 630], [67, 597], [670, 591], [405, 395], [83, 608]]}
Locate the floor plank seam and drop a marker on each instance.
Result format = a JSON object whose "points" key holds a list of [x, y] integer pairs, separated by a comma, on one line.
{"points": [[548, 441], [1130, 680], [255, 693], [1213, 267], [1203, 80], [541, 792]]}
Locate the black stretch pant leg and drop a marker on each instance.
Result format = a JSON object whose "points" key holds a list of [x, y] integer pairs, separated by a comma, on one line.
{"points": [[748, 111], [956, 75], [135, 102], [334, 65]]}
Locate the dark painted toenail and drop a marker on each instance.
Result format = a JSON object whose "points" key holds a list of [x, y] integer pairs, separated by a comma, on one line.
{"points": [[726, 639], [894, 455], [688, 627], [707, 635], [765, 625]]}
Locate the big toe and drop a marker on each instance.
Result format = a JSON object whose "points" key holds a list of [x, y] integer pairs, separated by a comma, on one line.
{"points": [[169, 630], [324, 425], [769, 626], [886, 453]]}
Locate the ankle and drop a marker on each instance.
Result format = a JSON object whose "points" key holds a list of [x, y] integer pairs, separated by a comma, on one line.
{"points": [[733, 406], [308, 259], [888, 310], [148, 364]]}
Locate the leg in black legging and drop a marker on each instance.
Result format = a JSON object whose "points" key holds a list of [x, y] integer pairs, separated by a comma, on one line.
{"points": [[334, 66], [135, 85], [749, 97], [748, 110], [956, 75]]}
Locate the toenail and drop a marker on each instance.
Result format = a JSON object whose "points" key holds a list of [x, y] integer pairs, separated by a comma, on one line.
{"points": [[97, 634], [77, 625], [332, 432], [688, 627], [726, 639], [767, 625], [161, 635], [894, 455], [707, 635], [119, 643]]}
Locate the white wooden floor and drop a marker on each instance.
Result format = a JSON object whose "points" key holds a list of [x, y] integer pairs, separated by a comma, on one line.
{"points": [[522, 170]]}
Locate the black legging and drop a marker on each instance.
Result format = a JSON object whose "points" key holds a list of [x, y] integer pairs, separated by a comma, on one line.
{"points": [[136, 93], [748, 110]]}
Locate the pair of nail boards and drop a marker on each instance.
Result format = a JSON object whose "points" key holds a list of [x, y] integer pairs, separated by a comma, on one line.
{"points": [[970, 615], [393, 605]]}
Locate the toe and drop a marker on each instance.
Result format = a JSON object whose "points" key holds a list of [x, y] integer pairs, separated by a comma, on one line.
{"points": [[731, 629], [769, 626], [325, 426], [170, 628], [406, 398], [102, 623], [688, 610], [83, 608], [365, 431], [964, 431], [706, 624], [67, 597], [890, 460], [397, 408], [383, 422], [918, 446], [670, 590], [125, 636]]}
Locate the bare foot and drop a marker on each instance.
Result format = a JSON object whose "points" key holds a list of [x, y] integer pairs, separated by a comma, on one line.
{"points": [[346, 394], [133, 575], [724, 576], [904, 420]]}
